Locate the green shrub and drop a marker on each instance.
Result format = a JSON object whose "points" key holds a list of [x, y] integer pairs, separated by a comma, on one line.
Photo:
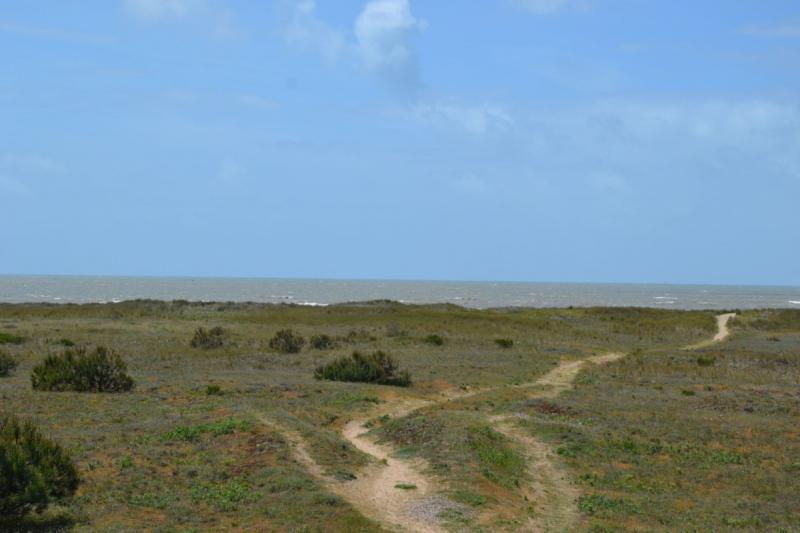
{"points": [[287, 341], [10, 338], [706, 361], [7, 364], [436, 340], [211, 338], [322, 342], [504, 343], [375, 368], [66, 342], [34, 471], [76, 370], [213, 390]]}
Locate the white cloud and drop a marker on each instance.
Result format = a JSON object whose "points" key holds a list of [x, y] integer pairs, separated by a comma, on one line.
{"points": [[473, 119], [307, 32], [380, 42], [787, 29], [541, 7], [383, 32]]}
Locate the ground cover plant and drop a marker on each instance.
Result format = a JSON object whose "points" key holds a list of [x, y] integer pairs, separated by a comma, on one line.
{"points": [[207, 439], [81, 370]]}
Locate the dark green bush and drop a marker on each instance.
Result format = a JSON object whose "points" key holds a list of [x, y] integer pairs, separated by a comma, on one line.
{"points": [[436, 340], [10, 338], [34, 471], [7, 364], [211, 338], [287, 341], [66, 342], [375, 368], [322, 342], [76, 370], [213, 390], [504, 343]]}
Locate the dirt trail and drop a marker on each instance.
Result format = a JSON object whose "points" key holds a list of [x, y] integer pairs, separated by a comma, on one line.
{"points": [[722, 332], [374, 492], [550, 491]]}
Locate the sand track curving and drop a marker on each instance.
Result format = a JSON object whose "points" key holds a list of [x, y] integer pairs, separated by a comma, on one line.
{"points": [[374, 492]]}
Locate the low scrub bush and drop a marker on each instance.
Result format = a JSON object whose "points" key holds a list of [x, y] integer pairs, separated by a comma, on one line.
{"points": [[377, 368], [208, 338], [287, 341], [7, 364], [504, 343], [10, 338], [77, 370], [34, 471], [706, 361], [322, 342], [436, 340]]}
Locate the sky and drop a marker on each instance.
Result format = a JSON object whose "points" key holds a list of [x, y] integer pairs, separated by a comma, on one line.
{"points": [[527, 140]]}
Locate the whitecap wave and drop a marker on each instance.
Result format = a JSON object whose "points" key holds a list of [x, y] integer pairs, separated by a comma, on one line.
{"points": [[795, 302]]}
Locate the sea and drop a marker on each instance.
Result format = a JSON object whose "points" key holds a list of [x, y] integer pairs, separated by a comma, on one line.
{"points": [[320, 292]]}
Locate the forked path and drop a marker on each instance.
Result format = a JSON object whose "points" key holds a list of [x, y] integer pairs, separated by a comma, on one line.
{"points": [[378, 491]]}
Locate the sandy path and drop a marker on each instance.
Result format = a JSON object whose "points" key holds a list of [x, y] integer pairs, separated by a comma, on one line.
{"points": [[550, 491], [374, 492], [722, 332]]}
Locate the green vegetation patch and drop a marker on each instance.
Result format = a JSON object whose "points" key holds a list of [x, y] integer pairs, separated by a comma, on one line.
{"points": [[209, 338], [498, 461], [435, 340], [193, 433], [10, 338], [7, 364], [78, 370], [377, 368], [322, 342], [34, 470], [287, 341]]}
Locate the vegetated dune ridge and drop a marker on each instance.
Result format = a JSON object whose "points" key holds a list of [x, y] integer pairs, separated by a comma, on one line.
{"points": [[375, 492]]}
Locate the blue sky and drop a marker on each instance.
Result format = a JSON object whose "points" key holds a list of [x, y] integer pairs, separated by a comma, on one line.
{"points": [[540, 140]]}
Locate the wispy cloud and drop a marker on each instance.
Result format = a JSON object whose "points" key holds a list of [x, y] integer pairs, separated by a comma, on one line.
{"points": [[786, 29], [541, 7], [17, 171], [159, 9], [474, 119], [257, 102], [307, 32], [56, 34], [217, 17]]}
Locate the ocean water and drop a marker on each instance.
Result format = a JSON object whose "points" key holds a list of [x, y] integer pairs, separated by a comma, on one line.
{"points": [[80, 289]]}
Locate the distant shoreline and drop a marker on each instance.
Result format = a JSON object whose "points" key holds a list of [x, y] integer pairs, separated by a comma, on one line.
{"points": [[478, 295]]}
